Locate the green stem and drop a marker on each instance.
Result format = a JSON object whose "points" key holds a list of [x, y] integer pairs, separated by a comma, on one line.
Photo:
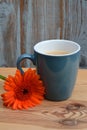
{"points": [[2, 77]]}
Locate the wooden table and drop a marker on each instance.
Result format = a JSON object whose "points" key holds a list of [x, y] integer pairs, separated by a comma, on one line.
{"points": [[69, 114]]}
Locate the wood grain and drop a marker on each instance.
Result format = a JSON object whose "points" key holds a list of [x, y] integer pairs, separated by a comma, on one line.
{"points": [[69, 114], [9, 32], [23, 23]]}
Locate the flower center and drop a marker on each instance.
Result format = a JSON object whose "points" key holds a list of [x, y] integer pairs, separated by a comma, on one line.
{"points": [[25, 91]]}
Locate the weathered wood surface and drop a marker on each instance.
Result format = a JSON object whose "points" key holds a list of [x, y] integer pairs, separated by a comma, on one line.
{"points": [[23, 23], [66, 115]]}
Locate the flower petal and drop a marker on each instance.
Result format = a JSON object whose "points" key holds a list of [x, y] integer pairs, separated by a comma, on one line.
{"points": [[23, 90]]}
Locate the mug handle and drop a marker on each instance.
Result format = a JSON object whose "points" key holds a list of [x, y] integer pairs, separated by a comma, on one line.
{"points": [[22, 57]]}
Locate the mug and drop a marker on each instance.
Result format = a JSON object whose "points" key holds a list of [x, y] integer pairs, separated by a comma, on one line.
{"points": [[57, 63]]}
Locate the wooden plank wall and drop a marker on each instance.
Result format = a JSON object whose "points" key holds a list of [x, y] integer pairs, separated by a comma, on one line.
{"points": [[23, 23]]}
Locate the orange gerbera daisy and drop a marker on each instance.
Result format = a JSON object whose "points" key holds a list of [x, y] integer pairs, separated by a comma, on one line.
{"points": [[23, 90]]}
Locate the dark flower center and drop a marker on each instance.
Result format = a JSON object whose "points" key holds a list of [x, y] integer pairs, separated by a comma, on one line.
{"points": [[25, 91]]}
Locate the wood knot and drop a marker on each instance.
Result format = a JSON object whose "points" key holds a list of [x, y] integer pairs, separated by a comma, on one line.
{"points": [[69, 122], [75, 106]]}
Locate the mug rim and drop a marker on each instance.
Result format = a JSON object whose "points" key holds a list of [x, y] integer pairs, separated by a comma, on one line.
{"points": [[58, 40]]}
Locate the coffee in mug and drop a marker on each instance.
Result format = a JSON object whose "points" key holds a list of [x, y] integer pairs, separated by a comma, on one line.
{"points": [[57, 63], [56, 52]]}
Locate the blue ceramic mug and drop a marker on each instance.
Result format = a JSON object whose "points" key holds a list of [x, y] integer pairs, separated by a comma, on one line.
{"points": [[57, 62]]}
